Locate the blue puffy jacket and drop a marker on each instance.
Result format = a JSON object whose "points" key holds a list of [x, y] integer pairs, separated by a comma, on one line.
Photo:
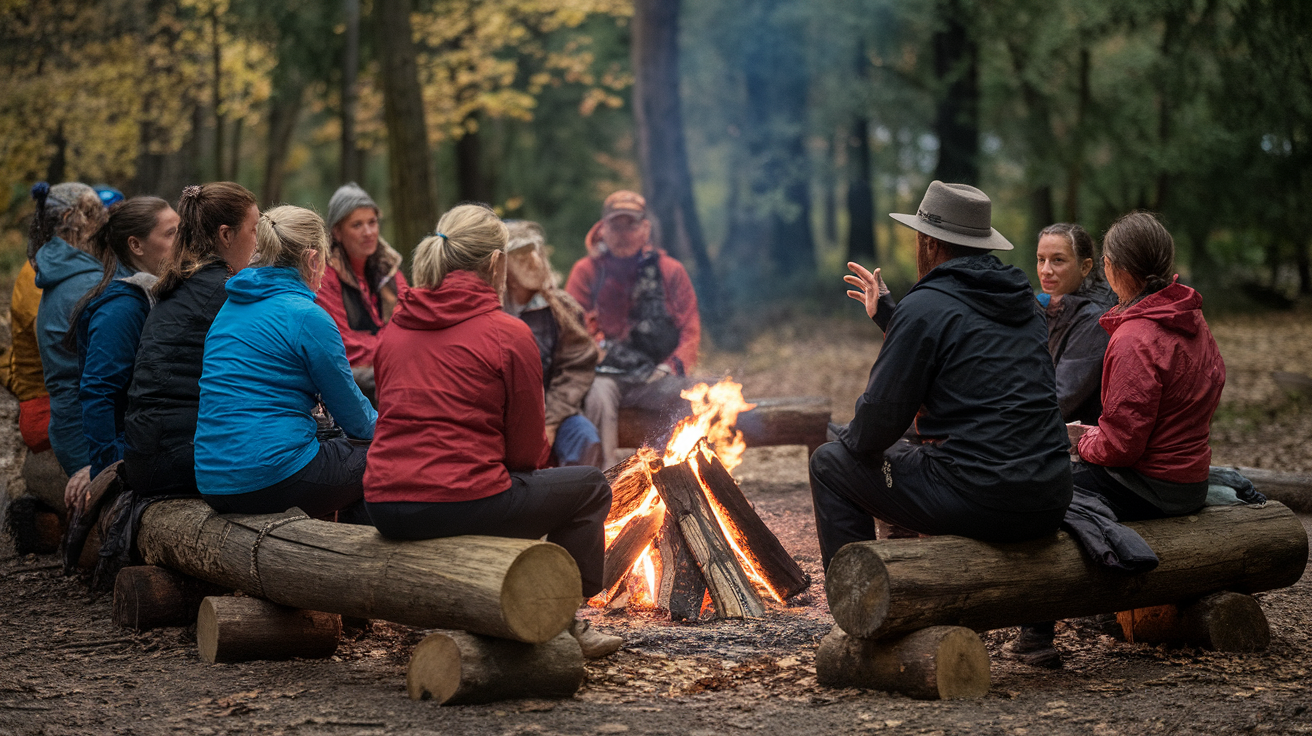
{"points": [[108, 331], [270, 355], [64, 274]]}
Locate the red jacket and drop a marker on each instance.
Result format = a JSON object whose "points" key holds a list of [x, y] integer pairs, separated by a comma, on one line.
{"points": [[1161, 381], [359, 308], [607, 303], [459, 397]]}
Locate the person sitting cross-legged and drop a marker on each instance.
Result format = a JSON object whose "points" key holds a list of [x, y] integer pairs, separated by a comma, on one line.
{"points": [[965, 357]]}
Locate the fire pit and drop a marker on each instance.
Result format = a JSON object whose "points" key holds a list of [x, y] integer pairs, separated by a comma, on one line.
{"points": [[681, 537]]}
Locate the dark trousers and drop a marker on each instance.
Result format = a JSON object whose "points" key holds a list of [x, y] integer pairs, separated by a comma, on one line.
{"points": [[332, 482], [566, 505], [849, 493]]}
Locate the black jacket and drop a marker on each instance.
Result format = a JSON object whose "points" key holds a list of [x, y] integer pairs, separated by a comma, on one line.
{"points": [[164, 398], [965, 356], [1077, 344]]}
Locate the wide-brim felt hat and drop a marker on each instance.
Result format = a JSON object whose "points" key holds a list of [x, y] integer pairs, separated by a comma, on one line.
{"points": [[956, 213]]}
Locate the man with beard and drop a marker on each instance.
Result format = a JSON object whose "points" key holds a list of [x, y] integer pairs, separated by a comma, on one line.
{"points": [[965, 364]]}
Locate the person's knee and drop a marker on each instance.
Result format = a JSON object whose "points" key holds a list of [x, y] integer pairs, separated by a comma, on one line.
{"points": [[826, 459]]}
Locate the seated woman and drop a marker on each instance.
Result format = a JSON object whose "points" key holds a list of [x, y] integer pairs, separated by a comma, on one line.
{"points": [[1074, 297], [460, 436], [270, 358], [1148, 456], [137, 240], [569, 356], [66, 217], [362, 280], [216, 238]]}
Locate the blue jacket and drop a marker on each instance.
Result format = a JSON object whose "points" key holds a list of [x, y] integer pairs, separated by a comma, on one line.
{"points": [[270, 356], [108, 331], [64, 274]]}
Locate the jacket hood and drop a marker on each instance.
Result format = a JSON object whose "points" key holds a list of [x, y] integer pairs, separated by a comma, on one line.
{"points": [[1177, 308], [987, 285], [57, 261], [461, 296], [256, 284]]}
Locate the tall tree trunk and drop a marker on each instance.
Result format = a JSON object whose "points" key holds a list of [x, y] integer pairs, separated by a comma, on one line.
{"points": [[1041, 209], [471, 184], [861, 246], [217, 96], [351, 163], [1304, 266], [284, 111], [956, 119], [666, 177], [234, 159], [1172, 30], [58, 162], [413, 189], [1075, 167]]}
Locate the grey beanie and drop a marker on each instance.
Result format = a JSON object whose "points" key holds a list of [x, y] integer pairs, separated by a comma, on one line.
{"points": [[347, 199]]}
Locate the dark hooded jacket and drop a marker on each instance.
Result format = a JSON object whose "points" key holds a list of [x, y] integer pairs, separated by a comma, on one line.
{"points": [[1077, 343], [965, 356], [164, 398]]}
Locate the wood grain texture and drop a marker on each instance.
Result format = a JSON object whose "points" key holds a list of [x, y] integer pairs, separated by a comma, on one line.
{"points": [[630, 481], [935, 663], [681, 589], [799, 420], [890, 588], [1223, 622], [459, 668], [519, 589], [230, 629], [628, 544], [150, 596]]}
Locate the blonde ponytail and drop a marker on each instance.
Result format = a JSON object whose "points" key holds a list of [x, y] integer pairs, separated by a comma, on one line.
{"points": [[467, 238], [285, 235]]}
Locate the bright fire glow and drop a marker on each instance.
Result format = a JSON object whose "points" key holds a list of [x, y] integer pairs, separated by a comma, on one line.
{"points": [[731, 533], [715, 411], [648, 571]]}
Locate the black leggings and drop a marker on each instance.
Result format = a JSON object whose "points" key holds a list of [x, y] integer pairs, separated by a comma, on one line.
{"points": [[331, 482], [567, 505]]}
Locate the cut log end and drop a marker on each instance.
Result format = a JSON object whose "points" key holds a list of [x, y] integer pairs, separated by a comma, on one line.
{"points": [[455, 667], [148, 596], [541, 592], [937, 663], [857, 586], [230, 629], [1226, 622]]}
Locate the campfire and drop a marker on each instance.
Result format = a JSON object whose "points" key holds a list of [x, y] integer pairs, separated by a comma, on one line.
{"points": [[681, 536]]}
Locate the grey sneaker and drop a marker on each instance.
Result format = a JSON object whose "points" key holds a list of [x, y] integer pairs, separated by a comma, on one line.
{"points": [[595, 644]]}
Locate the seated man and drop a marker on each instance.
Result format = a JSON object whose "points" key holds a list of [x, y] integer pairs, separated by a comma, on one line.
{"points": [[965, 357], [569, 356], [643, 311]]}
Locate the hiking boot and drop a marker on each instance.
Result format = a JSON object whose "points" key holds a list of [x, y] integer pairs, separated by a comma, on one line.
{"points": [[595, 644], [1034, 647]]}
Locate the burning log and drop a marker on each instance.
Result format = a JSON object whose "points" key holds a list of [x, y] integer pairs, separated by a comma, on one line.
{"points": [[232, 629], [636, 536], [782, 575], [457, 668], [512, 588], [730, 589], [681, 589], [148, 597], [889, 588], [936, 663], [630, 482], [1222, 622], [782, 421]]}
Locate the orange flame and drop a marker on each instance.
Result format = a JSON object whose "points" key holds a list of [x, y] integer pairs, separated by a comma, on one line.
{"points": [[733, 535], [715, 411]]}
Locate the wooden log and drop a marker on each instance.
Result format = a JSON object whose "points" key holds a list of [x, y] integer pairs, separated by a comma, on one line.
{"points": [[889, 588], [730, 588], [936, 663], [33, 526], [631, 541], [682, 589], [230, 629], [1292, 489], [630, 482], [519, 589], [1223, 622], [455, 668], [149, 596], [778, 421], [781, 572]]}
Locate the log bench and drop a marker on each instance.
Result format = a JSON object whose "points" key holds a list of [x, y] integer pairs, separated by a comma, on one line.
{"points": [[884, 594], [779, 421]]}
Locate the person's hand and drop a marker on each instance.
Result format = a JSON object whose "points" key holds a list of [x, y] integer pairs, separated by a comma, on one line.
{"points": [[869, 287], [1074, 431], [660, 372], [75, 492]]}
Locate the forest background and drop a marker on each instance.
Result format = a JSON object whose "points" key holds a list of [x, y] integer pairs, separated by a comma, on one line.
{"points": [[770, 136]]}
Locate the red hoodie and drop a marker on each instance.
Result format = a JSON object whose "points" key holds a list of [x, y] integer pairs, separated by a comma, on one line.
{"points": [[1161, 381], [460, 400]]}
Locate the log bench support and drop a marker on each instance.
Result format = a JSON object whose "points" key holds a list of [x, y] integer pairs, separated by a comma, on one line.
{"points": [[458, 668], [230, 629], [149, 596], [936, 663], [1222, 622]]}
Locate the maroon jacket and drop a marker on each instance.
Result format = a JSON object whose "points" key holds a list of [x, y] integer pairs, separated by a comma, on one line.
{"points": [[460, 400], [1161, 381]]}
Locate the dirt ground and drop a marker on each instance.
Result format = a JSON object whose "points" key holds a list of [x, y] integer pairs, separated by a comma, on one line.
{"points": [[65, 668]]}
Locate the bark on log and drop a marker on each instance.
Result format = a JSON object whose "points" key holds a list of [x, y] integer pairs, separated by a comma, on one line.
{"points": [[937, 663], [1292, 489], [630, 481], [631, 541], [455, 668], [730, 588], [782, 573], [681, 589], [232, 629], [888, 588], [149, 596], [1223, 622], [781, 421], [512, 588]]}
